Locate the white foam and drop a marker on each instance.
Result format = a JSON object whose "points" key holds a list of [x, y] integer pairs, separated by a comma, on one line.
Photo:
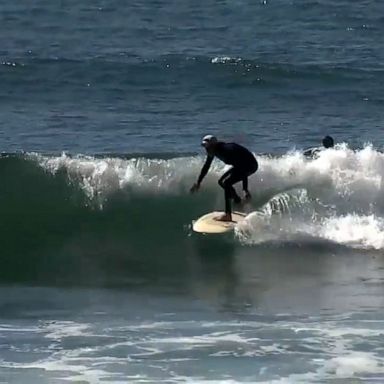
{"points": [[60, 329], [225, 60], [336, 172], [207, 339], [354, 230], [335, 354], [101, 176], [353, 364], [365, 232]]}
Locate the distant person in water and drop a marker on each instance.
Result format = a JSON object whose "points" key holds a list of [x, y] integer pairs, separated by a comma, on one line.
{"points": [[243, 164], [327, 143]]}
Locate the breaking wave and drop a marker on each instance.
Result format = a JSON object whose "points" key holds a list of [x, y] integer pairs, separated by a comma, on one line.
{"points": [[104, 211]]}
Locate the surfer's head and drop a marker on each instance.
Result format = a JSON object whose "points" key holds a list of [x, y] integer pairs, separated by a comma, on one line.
{"points": [[209, 142], [328, 142]]}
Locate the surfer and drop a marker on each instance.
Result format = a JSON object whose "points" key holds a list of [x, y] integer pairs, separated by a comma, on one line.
{"points": [[243, 164], [313, 152]]}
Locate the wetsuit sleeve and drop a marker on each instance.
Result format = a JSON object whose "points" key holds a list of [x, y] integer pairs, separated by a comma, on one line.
{"points": [[308, 152], [311, 152], [205, 169]]}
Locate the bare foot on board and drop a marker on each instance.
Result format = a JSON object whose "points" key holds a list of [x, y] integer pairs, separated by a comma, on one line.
{"points": [[225, 217]]}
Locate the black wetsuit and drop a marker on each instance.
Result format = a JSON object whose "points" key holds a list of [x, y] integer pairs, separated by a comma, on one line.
{"points": [[243, 162]]}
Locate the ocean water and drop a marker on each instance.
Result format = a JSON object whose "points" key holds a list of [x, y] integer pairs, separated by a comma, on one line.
{"points": [[102, 108]]}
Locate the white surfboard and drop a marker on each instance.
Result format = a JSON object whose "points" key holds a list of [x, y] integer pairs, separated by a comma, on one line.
{"points": [[208, 224]]}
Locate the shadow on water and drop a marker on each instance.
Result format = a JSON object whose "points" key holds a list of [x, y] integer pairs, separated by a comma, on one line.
{"points": [[213, 268], [308, 276]]}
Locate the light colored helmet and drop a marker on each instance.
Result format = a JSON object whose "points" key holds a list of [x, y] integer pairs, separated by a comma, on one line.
{"points": [[208, 139]]}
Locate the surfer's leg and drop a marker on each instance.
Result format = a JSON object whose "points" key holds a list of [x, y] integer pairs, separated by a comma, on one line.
{"points": [[227, 216], [224, 176], [226, 181]]}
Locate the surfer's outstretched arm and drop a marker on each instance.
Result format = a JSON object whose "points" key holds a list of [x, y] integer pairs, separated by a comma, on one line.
{"points": [[245, 189], [205, 169], [203, 173]]}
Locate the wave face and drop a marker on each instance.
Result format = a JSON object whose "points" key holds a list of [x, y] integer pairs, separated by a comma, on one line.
{"points": [[66, 216]]}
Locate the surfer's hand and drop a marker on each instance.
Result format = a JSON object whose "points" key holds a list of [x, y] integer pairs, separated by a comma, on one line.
{"points": [[195, 187], [247, 196]]}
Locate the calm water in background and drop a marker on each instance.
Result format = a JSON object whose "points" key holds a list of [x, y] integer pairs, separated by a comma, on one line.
{"points": [[95, 76], [93, 293]]}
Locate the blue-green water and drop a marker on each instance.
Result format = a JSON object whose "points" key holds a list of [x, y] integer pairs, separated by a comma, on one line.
{"points": [[103, 106]]}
